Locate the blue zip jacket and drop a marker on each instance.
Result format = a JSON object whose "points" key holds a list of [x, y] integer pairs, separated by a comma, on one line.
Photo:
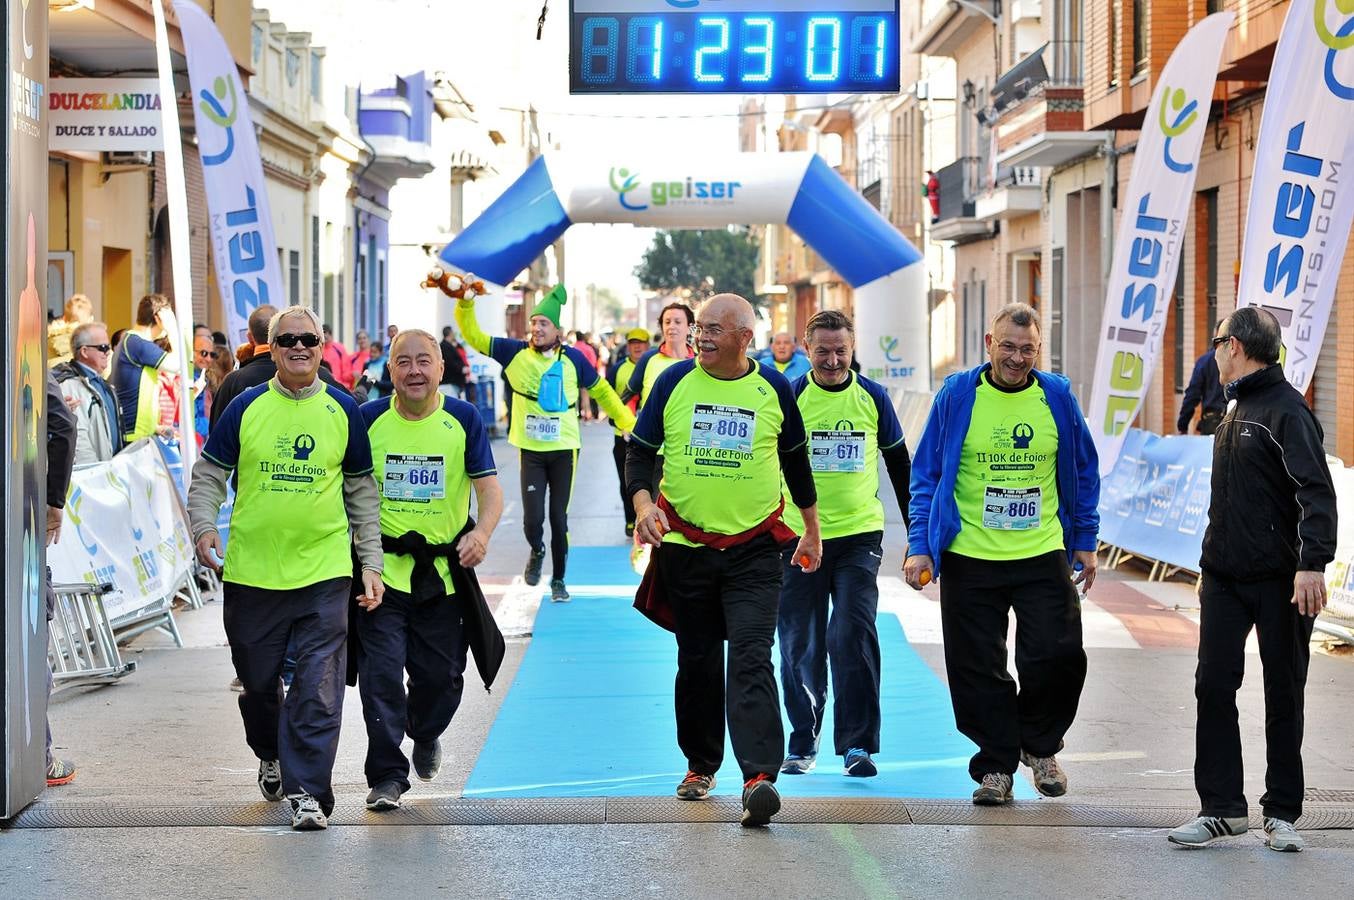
{"points": [[935, 466]]}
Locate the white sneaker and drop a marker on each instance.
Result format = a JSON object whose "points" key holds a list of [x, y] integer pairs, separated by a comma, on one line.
{"points": [[1282, 836], [306, 814], [1206, 829]]}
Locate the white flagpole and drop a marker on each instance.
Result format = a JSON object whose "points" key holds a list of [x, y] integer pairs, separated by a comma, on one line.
{"points": [[176, 188]]}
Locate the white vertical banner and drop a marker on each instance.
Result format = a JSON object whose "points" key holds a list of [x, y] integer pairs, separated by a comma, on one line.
{"points": [[181, 270], [1302, 199], [241, 225], [1152, 233]]}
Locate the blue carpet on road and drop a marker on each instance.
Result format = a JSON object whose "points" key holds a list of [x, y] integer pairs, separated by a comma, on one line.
{"points": [[590, 712]]}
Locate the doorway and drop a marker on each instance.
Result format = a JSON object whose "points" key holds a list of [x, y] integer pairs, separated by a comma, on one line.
{"points": [[117, 287]]}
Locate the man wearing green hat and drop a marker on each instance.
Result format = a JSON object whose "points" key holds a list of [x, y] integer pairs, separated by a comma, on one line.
{"points": [[546, 377], [618, 374]]}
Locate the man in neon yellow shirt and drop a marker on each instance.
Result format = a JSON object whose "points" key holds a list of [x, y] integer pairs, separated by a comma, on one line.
{"points": [[636, 345], [427, 452], [729, 428], [301, 452], [851, 424], [546, 377], [1005, 485]]}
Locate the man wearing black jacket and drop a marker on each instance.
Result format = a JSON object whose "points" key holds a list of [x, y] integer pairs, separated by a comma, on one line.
{"points": [[1271, 533], [259, 369], [60, 461]]}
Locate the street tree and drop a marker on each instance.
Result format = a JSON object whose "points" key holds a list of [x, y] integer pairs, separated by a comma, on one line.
{"points": [[702, 261]]}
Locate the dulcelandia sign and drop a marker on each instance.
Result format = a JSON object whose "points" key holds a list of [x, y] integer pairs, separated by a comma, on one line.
{"points": [[104, 114], [1151, 234]]}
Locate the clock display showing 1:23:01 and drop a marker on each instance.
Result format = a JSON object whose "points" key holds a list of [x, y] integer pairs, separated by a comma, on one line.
{"points": [[749, 50]]}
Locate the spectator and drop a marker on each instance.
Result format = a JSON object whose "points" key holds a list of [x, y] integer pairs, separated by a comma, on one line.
{"points": [[116, 339], [139, 365], [78, 311], [788, 358], [60, 460], [376, 374], [391, 331], [1205, 388], [455, 367], [338, 359], [359, 360], [98, 434]]}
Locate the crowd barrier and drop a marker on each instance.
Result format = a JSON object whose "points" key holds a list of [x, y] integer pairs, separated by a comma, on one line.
{"points": [[82, 646], [126, 525]]}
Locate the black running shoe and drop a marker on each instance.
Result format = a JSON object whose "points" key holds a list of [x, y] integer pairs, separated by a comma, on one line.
{"points": [[427, 759], [532, 575]]}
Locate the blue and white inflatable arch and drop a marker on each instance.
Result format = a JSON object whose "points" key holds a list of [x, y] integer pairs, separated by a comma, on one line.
{"points": [[799, 190]]}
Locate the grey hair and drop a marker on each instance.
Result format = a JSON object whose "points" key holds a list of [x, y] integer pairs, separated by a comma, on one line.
{"points": [[1258, 331], [1021, 314], [80, 336], [304, 311]]}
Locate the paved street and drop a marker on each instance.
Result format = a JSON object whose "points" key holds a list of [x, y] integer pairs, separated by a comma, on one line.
{"points": [[164, 750]]}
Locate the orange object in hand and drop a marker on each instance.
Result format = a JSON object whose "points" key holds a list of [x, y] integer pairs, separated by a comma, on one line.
{"points": [[804, 560], [925, 578]]}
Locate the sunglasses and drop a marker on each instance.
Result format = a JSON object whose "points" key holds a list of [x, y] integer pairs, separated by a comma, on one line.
{"points": [[1220, 339], [287, 341], [102, 348]]}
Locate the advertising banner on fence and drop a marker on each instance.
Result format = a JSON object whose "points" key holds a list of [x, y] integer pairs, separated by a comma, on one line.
{"points": [[104, 114], [1302, 199], [237, 203], [1152, 233], [125, 524], [1155, 501]]}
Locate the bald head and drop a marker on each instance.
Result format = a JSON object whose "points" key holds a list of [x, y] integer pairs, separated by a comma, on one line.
{"points": [[731, 309], [725, 325], [782, 346]]}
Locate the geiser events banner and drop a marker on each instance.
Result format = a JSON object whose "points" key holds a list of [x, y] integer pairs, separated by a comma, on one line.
{"points": [[114, 114], [1297, 223], [237, 202], [125, 523], [1151, 233]]}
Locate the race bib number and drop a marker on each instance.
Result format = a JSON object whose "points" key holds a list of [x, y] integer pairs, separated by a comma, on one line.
{"points": [[723, 427], [837, 451], [543, 428], [1012, 509], [419, 478]]}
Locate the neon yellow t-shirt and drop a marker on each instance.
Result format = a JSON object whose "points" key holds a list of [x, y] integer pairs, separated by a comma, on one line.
{"points": [[623, 371], [1007, 485], [847, 426], [423, 470], [721, 441], [289, 528]]}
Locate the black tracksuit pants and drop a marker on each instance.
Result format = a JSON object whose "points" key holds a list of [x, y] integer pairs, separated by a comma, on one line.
{"points": [[976, 597], [302, 732], [549, 471], [829, 616], [429, 642], [715, 593], [618, 446], [1229, 609]]}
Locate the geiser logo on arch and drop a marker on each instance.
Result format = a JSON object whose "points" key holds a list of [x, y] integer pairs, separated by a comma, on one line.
{"points": [[632, 194]]}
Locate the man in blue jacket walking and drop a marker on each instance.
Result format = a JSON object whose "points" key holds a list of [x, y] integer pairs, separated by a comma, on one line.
{"points": [[1005, 484]]}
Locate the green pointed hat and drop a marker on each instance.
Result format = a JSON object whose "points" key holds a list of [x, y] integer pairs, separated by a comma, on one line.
{"points": [[550, 304]]}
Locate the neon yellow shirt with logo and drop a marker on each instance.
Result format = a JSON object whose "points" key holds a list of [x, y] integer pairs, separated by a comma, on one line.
{"points": [[721, 441], [651, 365], [622, 377], [847, 426], [423, 470], [531, 426], [1007, 485], [289, 528]]}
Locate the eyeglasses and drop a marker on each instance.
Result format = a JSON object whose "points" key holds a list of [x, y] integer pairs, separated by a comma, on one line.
{"points": [[1221, 338], [310, 340], [710, 331], [102, 348], [1029, 351]]}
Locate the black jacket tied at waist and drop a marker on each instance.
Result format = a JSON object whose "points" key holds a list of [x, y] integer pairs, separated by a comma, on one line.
{"points": [[480, 629]]}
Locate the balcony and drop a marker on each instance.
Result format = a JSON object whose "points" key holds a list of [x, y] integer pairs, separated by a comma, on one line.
{"points": [[397, 123], [1038, 109], [958, 221], [1016, 192], [952, 27]]}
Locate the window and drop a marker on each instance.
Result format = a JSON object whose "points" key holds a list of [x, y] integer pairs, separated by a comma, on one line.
{"points": [[1211, 272], [293, 67], [257, 34], [1139, 36], [1214, 6], [382, 315], [1178, 329], [1066, 43], [1055, 311], [314, 260], [316, 75], [294, 277], [1114, 43]]}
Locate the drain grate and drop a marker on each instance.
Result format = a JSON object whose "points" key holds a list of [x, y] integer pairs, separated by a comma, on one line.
{"points": [[1328, 795], [651, 810]]}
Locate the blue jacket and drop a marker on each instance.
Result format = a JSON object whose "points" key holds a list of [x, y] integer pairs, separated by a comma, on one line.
{"points": [[935, 466], [798, 365]]}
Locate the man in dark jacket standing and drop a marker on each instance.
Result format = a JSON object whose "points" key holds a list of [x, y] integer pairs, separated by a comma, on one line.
{"points": [[1204, 390], [1269, 468]]}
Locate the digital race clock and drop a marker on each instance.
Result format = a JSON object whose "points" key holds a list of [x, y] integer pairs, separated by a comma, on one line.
{"points": [[733, 46]]}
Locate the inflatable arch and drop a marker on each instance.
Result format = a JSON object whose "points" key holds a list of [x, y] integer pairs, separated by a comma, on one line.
{"points": [[799, 190]]}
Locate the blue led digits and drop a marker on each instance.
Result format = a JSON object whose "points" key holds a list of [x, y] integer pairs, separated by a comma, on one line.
{"points": [[758, 41], [766, 46], [712, 33], [599, 37], [644, 37], [823, 55]]}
